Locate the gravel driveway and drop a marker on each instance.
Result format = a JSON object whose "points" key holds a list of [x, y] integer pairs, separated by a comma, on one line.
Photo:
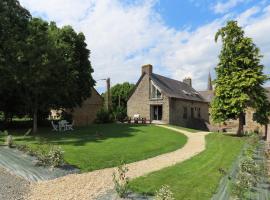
{"points": [[12, 187]]}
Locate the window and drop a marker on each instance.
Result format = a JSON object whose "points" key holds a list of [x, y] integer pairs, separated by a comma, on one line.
{"points": [[155, 93], [185, 113], [199, 112], [192, 113]]}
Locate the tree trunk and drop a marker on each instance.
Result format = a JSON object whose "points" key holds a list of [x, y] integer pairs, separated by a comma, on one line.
{"points": [[35, 121], [266, 132], [240, 131], [35, 113]]}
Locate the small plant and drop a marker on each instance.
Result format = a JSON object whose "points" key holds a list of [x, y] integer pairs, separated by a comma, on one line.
{"points": [[164, 193], [53, 158], [56, 156], [121, 180], [243, 184], [9, 141]]}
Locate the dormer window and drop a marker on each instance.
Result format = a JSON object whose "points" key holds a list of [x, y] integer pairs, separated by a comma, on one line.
{"points": [[155, 92]]}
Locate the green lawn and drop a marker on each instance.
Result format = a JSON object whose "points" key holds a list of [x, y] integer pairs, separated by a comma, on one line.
{"points": [[198, 177], [88, 151]]}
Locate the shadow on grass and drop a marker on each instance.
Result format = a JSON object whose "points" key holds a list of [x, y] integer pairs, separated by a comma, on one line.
{"points": [[80, 136]]}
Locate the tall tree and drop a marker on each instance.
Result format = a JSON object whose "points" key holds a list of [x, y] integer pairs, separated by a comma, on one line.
{"points": [[41, 71], [239, 78], [120, 94], [77, 79], [13, 31]]}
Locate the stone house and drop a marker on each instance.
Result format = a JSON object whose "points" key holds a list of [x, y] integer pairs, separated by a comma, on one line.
{"points": [[86, 114], [165, 100], [232, 125]]}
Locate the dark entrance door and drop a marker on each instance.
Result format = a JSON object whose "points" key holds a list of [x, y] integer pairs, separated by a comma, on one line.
{"points": [[157, 112]]}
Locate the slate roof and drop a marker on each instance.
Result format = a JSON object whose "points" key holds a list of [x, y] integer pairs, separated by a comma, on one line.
{"points": [[209, 95], [176, 89]]}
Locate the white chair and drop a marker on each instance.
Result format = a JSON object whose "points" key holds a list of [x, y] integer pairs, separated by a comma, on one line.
{"points": [[62, 125], [55, 127], [69, 127]]}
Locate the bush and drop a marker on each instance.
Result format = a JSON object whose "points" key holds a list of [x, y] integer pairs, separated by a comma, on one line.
{"points": [[103, 116], [121, 180], [120, 114], [164, 193], [53, 158], [9, 141]]}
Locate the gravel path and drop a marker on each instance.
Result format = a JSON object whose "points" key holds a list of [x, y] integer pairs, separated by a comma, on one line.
{"points": [[12, 187], [91, 185]]}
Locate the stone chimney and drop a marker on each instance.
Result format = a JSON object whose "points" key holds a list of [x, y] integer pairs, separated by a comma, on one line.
{"points": [[148, 69], [188, 81]]}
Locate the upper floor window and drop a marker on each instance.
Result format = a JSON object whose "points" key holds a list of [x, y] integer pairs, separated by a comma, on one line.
{"points": [[155, 92]]}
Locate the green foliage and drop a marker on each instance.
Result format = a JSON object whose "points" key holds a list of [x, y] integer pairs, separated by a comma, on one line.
{"points": [[41, 66], [104, 116], [120, 92], [54, 157], [239, 77], [121, 180], [120, 113], [164, 193], [13, 27]]}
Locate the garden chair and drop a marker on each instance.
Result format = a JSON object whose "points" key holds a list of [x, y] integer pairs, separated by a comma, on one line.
{"points": [[55, 127], [69, 127]]}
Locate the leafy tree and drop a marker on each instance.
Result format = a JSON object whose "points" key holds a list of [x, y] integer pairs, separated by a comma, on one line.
{"points": [[76, 80], [239, 78], [120, 94], [57, 72], [41, 71], [13, 31]]}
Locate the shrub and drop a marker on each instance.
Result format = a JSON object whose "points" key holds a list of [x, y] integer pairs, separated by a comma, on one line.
{"points": [[9, 141], [103, 116], [120, 114], [121, 180], [53, 158], [164, 193]]}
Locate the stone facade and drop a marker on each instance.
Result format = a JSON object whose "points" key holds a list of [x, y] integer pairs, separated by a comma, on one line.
{"points": [[86, 114], [140, 102], [200, 112]]}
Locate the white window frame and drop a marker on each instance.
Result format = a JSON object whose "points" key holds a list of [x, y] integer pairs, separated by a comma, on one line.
{"points": [[157, 89]]}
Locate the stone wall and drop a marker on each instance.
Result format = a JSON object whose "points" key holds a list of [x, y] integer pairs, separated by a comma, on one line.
{"points": [[140, 102], [86, 114], [177, 112], [232, 125]]}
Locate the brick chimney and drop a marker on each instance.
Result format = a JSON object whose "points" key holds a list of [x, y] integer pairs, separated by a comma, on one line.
{"points": [[148, 69], [188, 81]]}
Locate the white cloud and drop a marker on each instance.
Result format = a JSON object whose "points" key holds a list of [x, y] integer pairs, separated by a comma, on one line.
{"points": [[124, 37], [223, 7]]}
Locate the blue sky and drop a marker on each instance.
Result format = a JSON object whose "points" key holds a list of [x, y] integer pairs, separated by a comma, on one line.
{"points": [[175, 36], [194, 13]]}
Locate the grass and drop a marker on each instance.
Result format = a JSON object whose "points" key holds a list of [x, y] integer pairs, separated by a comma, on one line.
{"points": [[89, 151], [198, 177]]}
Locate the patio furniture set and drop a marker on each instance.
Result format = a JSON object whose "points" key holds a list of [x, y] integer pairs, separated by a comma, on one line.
{"points": [[63, 125], [138, 120]]}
